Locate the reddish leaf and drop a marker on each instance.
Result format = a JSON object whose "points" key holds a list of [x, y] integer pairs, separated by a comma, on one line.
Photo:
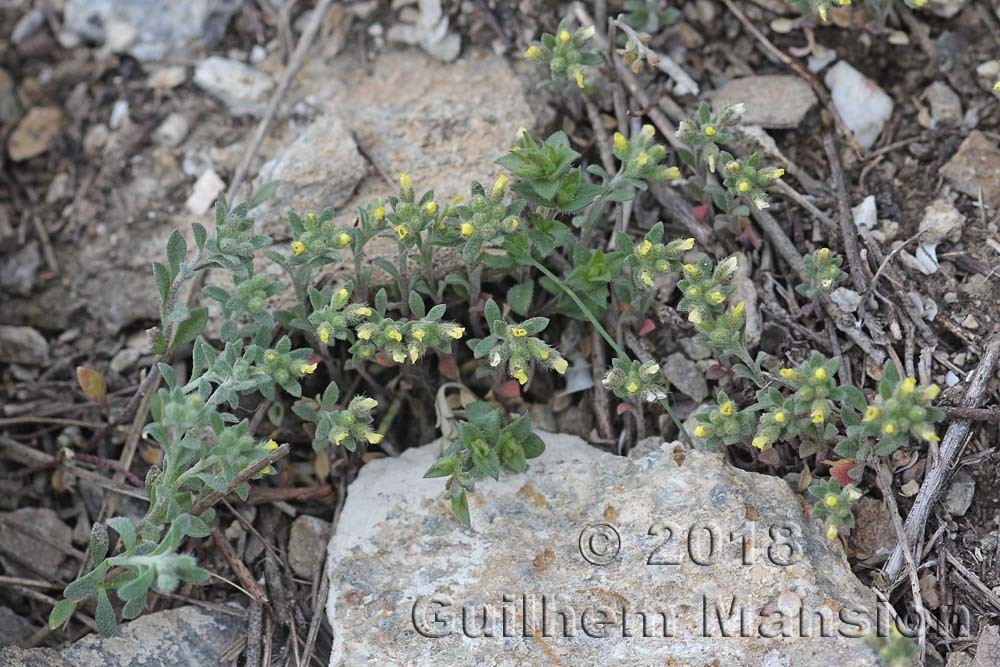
{"points": [[383, 360], [647, 327], [701, 212], [840, 471], [715, 372], [510, 389], [770, 456], [92, 383], [447, 367], [624, 407]]}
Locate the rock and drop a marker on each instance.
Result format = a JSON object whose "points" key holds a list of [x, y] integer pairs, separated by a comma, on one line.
{"points": [[34, 133], [124, 359], [95, 139], [22, 345], [975, 167], [172, 130], [242, 88], [182, 636], [119, 114], [206, 190], [846, 299], [10, 107], [946, 106], [686, 376], [429, 32], [873, 534], [960, 493], [305, 544], [160, 29], [14, 628], [320, 169], [18, 270], [945, 8], [865, 214], [27, 26], [864, 106], [941, 222], [402, 570], [25, 550], [165, 78], [759, 94]]}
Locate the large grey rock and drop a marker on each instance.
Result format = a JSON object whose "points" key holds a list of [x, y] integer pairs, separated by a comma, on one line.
{"points": [[864, 106], [401, 568], [976, 167], [23, 345], [19, 549], [14, 628], [776, 101], [686, 376], [174, 638], [150, 29]]}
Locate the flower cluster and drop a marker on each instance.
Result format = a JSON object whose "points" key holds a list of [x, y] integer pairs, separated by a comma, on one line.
{"points": [[724, 423], [566, 53], [635, 382], [704, 133], [486, 219], [249, 297], [516, 345], [778, 422], [822, 269], [408, 216], [834, 505], [905, 410], [642, 158], [283, 366], [333, 316], [314, 235], [747, 179], [402, 340], [345, 428], [705, 291], [651, 257], [814, 384]]}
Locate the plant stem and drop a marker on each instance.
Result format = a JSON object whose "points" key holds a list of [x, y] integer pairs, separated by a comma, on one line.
{"points": [[579, 304]]}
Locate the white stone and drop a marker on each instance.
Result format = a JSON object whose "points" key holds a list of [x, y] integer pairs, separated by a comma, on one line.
{"points": [[864, 106], [242, 88], [846, 299], [119, 114], [865, 214], [206, 190], [946, 106], [397, 556], [941, 222], [172, 130]]}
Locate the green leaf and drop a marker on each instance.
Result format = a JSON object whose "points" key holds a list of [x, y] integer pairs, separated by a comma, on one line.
{"points": [[262, 194], [190, 328], [92, 383], [99, 542], [417, 306], [441, 468], [162, 276], [61, 613], [138, 587], [123, 526], [519, 297], [533, 446], [200, 234], [460, 508], [86, 586], [105, 615], [176, 252], [487, 461]]}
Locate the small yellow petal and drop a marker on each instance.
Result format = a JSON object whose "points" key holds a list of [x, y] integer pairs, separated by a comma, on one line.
{"points": [[298, 247], [405, 180]]}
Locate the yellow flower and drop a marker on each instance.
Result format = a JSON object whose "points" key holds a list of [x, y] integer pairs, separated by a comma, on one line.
{"points": [[339, 436], [455, 332], [872, 413], [431, 207], [564, 36], [501, 184], [644, 248], [270, 445], [405, 180], [733, 166], [780, 417], [642, 159], [743, 186], [374, 438], [820, 373], [818, 417], [468, 229], [739, 308], [790, 374], [534, 53], [298, 247], [929, 435], [779, 172], [701, 432], [823, 255], [307, 369], [419, 334], [632, 387], [324, 334], [996, 86], [366, 403], [365, 331], [889, 428], [931, 391], [513, 224], [822, 17], [379, 214], [716, 297], [832, 500], [520, 375], [907, 386], [363, 311], [621, 143], [709, 130], [691, 271], [271, 356], [342, 294], [686, 244], [760, 442], [727, 409], [394, 334], [414, 353], [579, 78], [694, 317], [673, 173], [398, 354], [646, 278], [517, 332], [559, 365], [402, 231], [831, 530]]}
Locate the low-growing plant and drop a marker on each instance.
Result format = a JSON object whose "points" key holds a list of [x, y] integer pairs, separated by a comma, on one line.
{"points": [[833, 505]]}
